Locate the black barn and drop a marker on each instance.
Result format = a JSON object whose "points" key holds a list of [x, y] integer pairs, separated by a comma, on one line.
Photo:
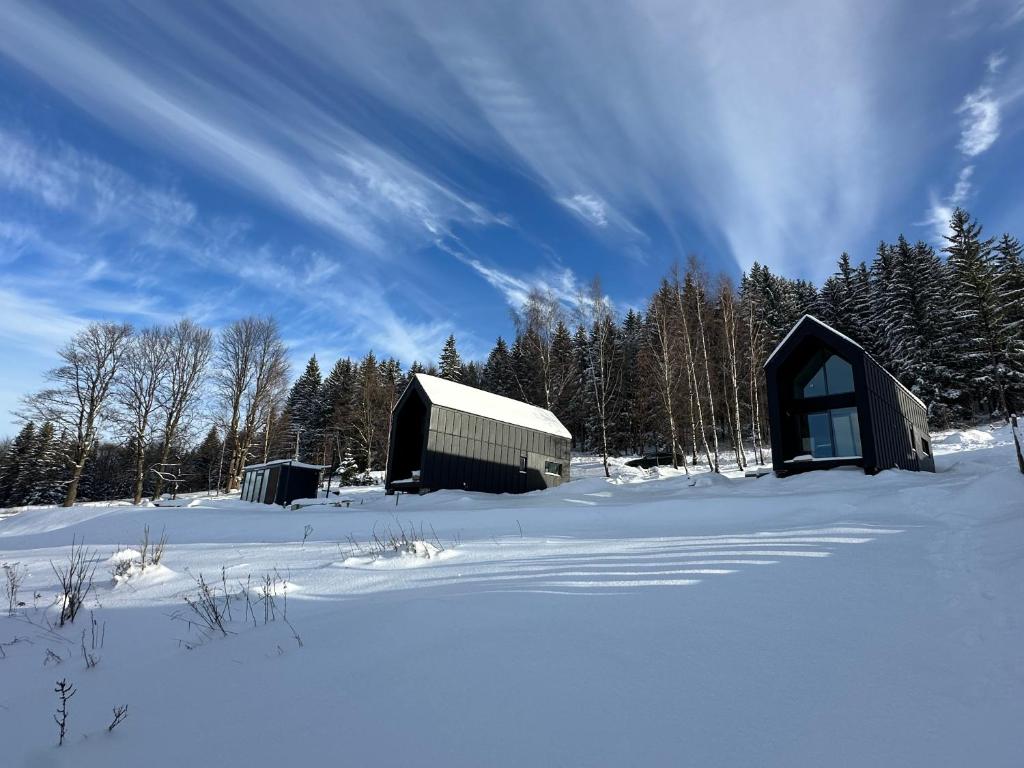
{"points": [[448, 435], [280, 482], [831, 404]]}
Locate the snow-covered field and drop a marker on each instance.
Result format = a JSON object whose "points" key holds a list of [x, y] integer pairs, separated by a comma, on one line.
{"points": [[824, 619]]}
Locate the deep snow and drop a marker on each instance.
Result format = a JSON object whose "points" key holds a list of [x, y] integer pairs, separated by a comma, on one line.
{"points": [[654, 619]]}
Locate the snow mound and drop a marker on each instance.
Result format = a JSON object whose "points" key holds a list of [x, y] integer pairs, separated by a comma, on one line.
{"points": [[965, 440], [180, 502], [412, 555]]}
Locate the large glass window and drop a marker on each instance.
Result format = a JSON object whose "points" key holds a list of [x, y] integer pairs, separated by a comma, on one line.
{"points": [[824, 374], [829, 434], [845, 431]]}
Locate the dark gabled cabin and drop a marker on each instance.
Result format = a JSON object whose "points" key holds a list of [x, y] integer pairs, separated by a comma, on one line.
{"points": [[448, 435], [830, 404], [280, 482]]}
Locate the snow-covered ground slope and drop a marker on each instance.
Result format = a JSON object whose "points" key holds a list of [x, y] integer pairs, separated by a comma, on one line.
{"points": [[824, 619]]}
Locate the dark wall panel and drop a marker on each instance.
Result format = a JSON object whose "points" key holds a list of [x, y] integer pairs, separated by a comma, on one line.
{"points": [[464, 450]]}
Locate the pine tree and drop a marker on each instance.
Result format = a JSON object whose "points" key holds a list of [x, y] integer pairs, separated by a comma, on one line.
{"points": [[497, 374], [451, 362], [1010, 278], [15, 469], [205, 464], [305, 415], [472, 375], [45, 483], [982, 338], [348, 470]]}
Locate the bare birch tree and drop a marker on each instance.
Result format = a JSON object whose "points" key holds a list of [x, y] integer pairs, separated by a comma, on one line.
{"points": [[696, 281], [691, 369], [727, 312], [540, 323], [663, 363], [79, 399], [604, 363]]}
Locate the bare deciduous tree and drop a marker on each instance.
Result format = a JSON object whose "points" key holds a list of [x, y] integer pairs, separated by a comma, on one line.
{"points": [[142, 375], [663, 361], [727, 312], [189, 350], [251, 371], [79, 398], [604, 360], [540, 323]]}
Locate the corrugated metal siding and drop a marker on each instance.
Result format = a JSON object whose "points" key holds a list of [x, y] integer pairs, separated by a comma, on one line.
{"points": [[898, 422], [476, 453]]}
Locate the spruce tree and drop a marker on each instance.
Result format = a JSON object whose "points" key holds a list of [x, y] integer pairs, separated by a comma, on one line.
{"points": [[305, 413], [204, 464], [336, 402], [451, 362], [1010, 278], [16, 468], [472, 376], [982, 334], [497, 375], [45, 483]]}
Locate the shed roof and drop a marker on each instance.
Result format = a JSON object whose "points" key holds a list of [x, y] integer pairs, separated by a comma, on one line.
{"points": [[459, 397], [289, 462], [812, 320]]}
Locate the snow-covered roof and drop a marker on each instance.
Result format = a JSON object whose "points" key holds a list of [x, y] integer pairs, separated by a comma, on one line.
{"points": [[289, 462], [830, 329], [459, 397], [800, 322]]}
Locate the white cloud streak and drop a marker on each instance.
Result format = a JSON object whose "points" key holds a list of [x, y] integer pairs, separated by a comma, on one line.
{"points": [[281, 144], [589, 207], [979, 121]]}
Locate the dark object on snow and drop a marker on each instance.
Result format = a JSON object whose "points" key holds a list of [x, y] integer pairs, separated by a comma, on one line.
{"points": [[1017, 441], [280, 482], [448, 435], [830, 404], [649, 460]]}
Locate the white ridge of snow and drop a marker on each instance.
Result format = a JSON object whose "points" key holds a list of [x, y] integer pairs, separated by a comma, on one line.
{"points": [[289, 462], [459, 397]]}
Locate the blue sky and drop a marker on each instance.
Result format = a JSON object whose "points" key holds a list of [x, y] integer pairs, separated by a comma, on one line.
{"points": [[379, 175]]}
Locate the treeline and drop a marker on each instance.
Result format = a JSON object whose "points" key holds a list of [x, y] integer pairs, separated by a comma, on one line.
{"points": [[128, 410]]}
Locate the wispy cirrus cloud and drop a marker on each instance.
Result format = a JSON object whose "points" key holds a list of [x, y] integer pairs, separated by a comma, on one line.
{"points": [[589, 207], [979, 114], [159, 239], [979, 120], [281, 143]]}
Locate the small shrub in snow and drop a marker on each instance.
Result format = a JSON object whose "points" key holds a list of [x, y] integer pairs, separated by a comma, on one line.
{"points": [[75, 577], [151, 552], [120, 713], [388, 543], [126, 563], [64, 691], [14, 576], [97, 635], [206, 609], [306, 533]]}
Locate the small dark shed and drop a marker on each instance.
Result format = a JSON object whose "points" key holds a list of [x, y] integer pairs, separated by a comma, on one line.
{"points": [[280, 482], [831, 404], [448, 435]]}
